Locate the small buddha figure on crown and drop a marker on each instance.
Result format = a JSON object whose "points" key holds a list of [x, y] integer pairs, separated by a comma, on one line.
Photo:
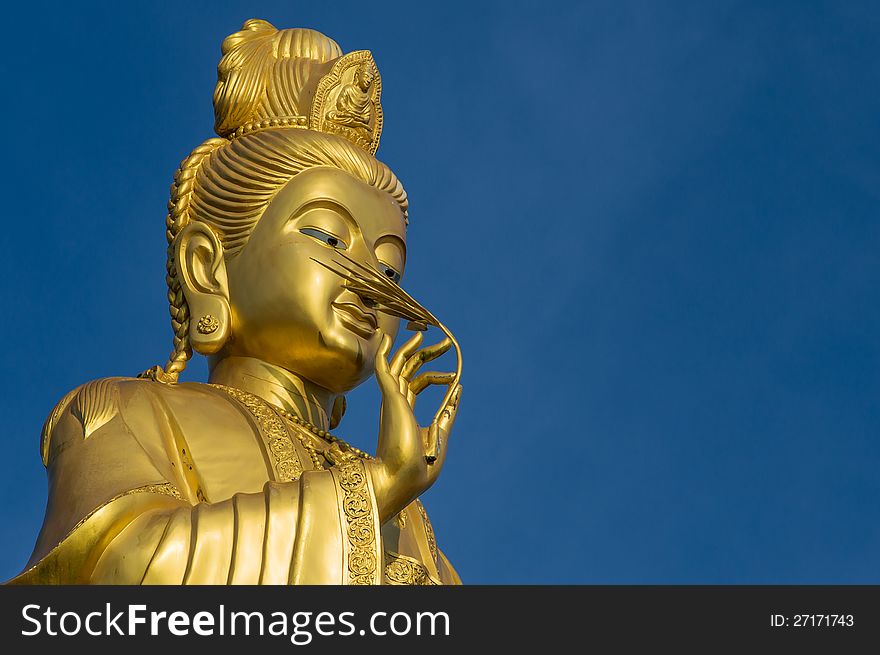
{"points": [[353, 105]]}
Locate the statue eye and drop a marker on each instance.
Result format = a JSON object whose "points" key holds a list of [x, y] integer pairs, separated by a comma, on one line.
{"points": [[393, 275], [320, 235]]}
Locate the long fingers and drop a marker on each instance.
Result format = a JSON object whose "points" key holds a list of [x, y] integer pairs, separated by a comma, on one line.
{"points": [[440, 429], [387, 381], [416, 360], [447, 416], [404, 352], [424, 380]]}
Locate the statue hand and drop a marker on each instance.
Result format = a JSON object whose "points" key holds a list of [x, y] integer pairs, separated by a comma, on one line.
{"points": [[401, 471]]}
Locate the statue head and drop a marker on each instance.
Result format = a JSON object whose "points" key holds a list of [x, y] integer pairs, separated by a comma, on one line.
{"points": [[364, 76], [255, 212]]}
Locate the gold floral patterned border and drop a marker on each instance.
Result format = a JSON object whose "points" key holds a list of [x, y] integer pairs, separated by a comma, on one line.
{"points": [[360, 530], [403, 570], [165, 488], [287, 464]]}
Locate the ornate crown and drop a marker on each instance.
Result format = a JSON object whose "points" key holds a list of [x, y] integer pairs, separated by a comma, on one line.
{"points": [[270, 78]]}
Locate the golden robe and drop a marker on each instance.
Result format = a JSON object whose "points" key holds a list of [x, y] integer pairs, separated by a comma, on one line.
{"points": [[201, 484]]}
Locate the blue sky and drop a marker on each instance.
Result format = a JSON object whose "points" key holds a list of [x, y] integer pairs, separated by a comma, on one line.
{"points": [[653, 228]]}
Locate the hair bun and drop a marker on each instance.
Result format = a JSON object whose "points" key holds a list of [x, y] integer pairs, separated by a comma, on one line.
{"points": [[264, 73], [253, 28]]}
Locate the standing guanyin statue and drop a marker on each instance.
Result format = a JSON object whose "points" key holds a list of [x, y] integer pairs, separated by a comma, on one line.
{"points": [[287, 242]]}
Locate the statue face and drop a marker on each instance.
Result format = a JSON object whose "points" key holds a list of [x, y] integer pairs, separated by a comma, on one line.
{"points": [[293, 312], [365, 77]]}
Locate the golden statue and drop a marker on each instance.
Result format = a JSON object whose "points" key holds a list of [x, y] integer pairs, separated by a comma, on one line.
{"points": [[287, 242]]}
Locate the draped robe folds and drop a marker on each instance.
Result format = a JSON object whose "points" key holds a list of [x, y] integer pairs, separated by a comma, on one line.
{"points": [[197, 484]]}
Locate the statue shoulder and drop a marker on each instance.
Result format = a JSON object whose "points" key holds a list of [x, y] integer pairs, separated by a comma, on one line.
{"points": [[138, 403], [91, 405]]}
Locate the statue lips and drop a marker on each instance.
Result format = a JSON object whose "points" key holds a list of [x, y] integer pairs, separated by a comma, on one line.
{"points": [[358, 320]]}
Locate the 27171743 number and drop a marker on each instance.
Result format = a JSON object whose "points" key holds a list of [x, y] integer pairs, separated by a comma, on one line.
{"points": [[811, 620]]}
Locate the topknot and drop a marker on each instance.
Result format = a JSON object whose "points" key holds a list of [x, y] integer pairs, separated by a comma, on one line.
{"points": [[266, 73]]}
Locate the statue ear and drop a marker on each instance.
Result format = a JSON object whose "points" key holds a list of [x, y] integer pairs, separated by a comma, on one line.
{"points": [[201, 269]]}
